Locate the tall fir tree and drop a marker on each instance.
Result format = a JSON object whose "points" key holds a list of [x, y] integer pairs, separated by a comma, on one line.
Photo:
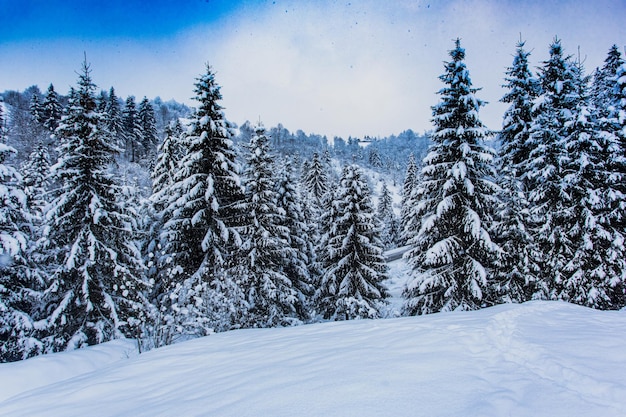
{"points": [[553, 119], [390, 230], [301, 267], [595, 274], [615, 122], [95, 292], [132, 130], [147, 124], [315, 180], [271, 296], [36, 110], [51, 109], [453, 256], [203, 208], [352, 282], [602, 88], [408, 187], [516, 277], [36, 179], [114, 119], [20, 284]]}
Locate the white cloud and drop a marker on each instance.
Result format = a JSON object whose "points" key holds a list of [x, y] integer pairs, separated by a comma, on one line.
{"points": [[360, 67]]}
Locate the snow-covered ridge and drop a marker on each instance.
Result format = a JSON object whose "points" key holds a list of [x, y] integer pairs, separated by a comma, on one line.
{"points": [[533, 359]]}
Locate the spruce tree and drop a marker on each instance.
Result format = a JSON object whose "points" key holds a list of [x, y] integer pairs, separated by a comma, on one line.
{"points": [[602, 89], [271, 296], [315, 180], [20, 284], [36, 172], [354, 268], [96, 286], [452, 255], [301, 267], [132, 130], [203, 208], [552, 124], [516, 278], [390, 228], [595, 274], [147, 124], [410, 181], [114, 119], [52, 109], [36, 110]]}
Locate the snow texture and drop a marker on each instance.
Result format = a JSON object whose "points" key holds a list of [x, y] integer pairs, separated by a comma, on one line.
{"points": [[533, 359]]}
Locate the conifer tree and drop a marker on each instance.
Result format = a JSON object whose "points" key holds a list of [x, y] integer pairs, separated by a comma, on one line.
{"points": [[354, 268], [147, 124], [203, 208], [36, 110], [169, 154], [452, 253], [516, 278], [270, 295], [96, 285], [36, 180], [114, 119], [20, 284], [301, 267], [315, 180], [390, 228], [52, 109], [552, 125], [603, 87], [132, 130], [595, 274], [410, 181]]}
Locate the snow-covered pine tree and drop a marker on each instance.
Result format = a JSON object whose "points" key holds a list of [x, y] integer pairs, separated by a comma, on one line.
{"points": [[96, 285], [132, 130], [36, 110], [147, 124], [101, 102], [410, 182], [20, 285], [553, 119], [595, 274], [616, 123], [452, 253], [354, 267], [270, 295], [203, 208], [516, 276], [315, 180], [390, 228], [169, 154], [603, 86], [300, 268], [36, 172], [51, 109], [114, 119]]}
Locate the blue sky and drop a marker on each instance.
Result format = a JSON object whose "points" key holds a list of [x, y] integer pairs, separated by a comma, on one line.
{"points": [[359, 67]]}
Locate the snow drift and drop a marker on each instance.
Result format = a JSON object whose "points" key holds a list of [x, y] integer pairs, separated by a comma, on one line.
{"points": [[534, 359]]}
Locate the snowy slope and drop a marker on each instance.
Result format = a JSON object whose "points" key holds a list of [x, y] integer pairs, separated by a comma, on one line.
{"points": [[536, 359]]}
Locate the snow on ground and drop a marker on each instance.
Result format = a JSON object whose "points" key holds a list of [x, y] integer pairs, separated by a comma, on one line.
{"points": [[534, 359]]}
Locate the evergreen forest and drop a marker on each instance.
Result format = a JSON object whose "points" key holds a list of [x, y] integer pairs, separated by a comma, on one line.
{"points": [[158, 222]]}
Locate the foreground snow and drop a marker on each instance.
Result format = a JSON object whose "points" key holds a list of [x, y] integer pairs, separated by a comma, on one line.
{"points": [[535, 359]]}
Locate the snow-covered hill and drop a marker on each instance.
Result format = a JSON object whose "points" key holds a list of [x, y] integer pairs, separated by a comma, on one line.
{"points": [[535, 359]]}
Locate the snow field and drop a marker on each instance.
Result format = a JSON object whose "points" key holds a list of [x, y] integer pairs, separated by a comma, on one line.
{"points": [[534, 359]]}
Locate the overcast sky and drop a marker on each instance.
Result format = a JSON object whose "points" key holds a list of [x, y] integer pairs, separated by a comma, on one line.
{"points": [[343, 68]]}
